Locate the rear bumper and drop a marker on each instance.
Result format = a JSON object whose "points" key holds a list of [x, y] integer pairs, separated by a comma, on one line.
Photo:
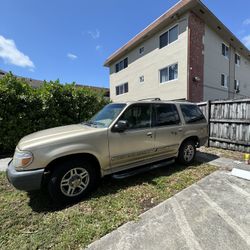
{"points": [[25, 180]]}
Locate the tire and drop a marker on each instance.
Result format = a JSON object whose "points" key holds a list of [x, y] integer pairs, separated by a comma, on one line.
{"points": [[187, 153], [72, 180]]}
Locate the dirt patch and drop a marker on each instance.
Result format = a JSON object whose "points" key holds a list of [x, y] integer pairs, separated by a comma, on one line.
{"points": [[235, 155]]}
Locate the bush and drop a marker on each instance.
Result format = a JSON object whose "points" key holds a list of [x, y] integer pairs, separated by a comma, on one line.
{"points": [[24, 110]]}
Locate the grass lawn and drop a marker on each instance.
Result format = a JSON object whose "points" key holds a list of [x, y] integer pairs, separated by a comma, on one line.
{"points": [[33, 222]]}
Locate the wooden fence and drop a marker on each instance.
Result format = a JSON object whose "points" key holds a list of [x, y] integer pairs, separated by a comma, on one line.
{"points": [[229, 123]]}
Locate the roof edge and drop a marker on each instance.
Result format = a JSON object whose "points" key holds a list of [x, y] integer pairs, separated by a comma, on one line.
{"points": [[150, 30], [187, 4]]}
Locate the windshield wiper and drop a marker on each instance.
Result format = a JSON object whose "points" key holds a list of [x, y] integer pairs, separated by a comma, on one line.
{"points": [[93, 124], [89, 123]]}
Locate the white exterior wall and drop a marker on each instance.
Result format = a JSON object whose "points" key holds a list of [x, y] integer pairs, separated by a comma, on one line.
{"points": [[242, 73], [148, 65], [216, 64]]}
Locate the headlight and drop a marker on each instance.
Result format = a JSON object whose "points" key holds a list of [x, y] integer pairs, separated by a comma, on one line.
{"points": [[22, 159]]}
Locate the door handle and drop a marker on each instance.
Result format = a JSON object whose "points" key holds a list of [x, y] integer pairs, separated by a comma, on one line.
{"points": [[180, 129], [149, 134]]}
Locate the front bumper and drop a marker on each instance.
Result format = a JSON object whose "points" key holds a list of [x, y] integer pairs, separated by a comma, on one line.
{"points": [[24, 180]]}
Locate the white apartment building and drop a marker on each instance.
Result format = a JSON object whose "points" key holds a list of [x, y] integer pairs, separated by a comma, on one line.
{"points": [[187, 53]]}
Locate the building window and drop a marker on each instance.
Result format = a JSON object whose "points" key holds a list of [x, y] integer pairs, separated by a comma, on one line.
{"points": [[141, 79], [225, 50], [173, 34], [237, 59], [164, 75], [121, 89], [164, 40], [168, 37], [173, 72], [224, 80], [141, 50], [169, 73], [121, 65], [237, 86]]}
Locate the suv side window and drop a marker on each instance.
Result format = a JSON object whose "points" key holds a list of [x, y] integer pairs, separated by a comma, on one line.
{"points": [[166, 114], [192, 113], [138, 116]]}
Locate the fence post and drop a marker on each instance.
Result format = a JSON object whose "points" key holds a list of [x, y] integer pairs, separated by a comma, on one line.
{"points": [[208, 120]]}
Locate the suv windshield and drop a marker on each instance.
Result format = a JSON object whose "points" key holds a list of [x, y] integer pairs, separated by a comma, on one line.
{"points": [[106, 116]]}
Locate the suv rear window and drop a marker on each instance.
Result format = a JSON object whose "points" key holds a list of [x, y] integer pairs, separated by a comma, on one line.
{"points": [[192, 113], [166, 114]]}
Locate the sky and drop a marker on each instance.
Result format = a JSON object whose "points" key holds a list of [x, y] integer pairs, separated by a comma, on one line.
{"points": [[69, 40]]}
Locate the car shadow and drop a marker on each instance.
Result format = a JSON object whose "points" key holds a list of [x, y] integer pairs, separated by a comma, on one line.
{"points": [[205, 157], [41, 202]]}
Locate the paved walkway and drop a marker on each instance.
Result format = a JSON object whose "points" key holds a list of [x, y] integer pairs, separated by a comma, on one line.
{"points": [[221, 162], [212, 214]]}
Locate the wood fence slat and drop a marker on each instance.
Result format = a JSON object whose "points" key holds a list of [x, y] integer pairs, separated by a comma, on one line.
{"points": [[229, 123]]}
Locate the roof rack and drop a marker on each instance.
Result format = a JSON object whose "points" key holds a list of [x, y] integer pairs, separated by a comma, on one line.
{"points": [[151, 99]]}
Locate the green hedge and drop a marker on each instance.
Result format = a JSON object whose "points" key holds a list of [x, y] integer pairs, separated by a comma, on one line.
{"points": [[24, 110]]}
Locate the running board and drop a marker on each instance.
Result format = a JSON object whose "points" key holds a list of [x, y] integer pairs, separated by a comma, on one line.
{"points": [[139, 170]]}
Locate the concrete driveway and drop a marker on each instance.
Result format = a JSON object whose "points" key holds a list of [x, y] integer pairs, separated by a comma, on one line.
{"points": [[211, 214]]}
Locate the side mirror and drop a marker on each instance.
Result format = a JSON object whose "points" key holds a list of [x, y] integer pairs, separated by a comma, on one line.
{"points": [[120, 126]]}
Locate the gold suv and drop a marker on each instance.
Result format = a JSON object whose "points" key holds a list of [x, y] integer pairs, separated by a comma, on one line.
{"points": [[69, 160]]}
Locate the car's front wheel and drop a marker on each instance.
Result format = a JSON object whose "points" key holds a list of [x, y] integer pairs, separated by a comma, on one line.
{"points": [[187, 152], [72, 180]]}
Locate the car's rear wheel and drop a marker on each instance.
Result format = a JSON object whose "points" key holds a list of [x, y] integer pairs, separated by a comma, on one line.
{"points": [[72, 180], [187, 152]]}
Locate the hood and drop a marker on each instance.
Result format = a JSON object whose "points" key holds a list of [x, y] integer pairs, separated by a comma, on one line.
{"points": [[53, 134]]}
